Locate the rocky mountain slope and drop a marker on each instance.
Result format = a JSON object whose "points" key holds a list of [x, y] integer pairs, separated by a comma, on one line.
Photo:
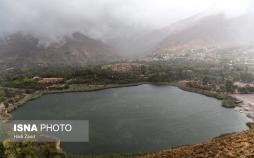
{"points": [[24, 50], [215, 31], [142, 42]]}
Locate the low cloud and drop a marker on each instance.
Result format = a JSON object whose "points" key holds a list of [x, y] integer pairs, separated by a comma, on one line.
{"points": [[50, 20]]}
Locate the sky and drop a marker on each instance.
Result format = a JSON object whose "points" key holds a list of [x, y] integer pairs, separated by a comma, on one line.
{"points": [[50, 20]]}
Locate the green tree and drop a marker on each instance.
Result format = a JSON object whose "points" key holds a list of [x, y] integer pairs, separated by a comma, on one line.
{"points": [[205, 80], [246, 77], [229, 86]]}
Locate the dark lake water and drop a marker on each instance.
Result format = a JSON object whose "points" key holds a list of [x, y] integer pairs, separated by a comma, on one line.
{"points": [[143, 118]]}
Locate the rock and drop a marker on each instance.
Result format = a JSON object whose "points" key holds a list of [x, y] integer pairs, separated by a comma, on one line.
{"points": [[2, 105], [250, 125], [250, 115]]}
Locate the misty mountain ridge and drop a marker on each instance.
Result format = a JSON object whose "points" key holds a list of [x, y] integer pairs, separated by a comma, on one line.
{"points": [[143, 42], [198, 31], [210, 31], [195, 32], [24, 50]]}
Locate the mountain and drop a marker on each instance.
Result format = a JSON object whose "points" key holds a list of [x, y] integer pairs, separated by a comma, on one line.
{"points": [[25, 50], [140, 42], [215, 31], [199, 32]]}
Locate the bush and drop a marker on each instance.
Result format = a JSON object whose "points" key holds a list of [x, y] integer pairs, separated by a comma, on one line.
{"points": [[246, 89], [229, 102], [31, 150]]}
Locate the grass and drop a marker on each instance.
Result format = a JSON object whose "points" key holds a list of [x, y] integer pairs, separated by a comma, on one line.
{"points": [[234, 145]]}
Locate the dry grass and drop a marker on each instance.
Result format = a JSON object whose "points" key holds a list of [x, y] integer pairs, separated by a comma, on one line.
{"points": [[239, 145]]}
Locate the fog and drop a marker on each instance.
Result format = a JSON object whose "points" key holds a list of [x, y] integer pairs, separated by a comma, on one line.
{"points": [[51, 19]]}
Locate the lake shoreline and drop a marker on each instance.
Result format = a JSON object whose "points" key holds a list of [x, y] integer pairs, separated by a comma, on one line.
{"points": [[90, 88], [246, 106], [37, 94]]}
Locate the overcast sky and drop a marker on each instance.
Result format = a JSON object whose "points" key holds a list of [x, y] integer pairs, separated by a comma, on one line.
{"points": [[51, 19]]}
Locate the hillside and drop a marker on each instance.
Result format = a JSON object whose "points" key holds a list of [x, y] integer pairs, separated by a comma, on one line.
{"points": [[214, 31], [142, 42], [24, 50], [238, 145]]}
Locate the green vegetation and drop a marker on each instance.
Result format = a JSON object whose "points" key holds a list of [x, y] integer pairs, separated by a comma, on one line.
{"points": [[211, 79], [246, 77], [229, 86], [246, 89], [12, 97], [30, 150], [208, 93], [24, 83], [205, 74], [17, 86], [6, 93], [23, 100], [229, 102]]}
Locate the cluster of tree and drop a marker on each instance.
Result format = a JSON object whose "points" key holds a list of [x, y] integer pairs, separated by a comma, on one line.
{"points": [[246, 89], [7, 93], [246, 77], [2, 95], [30, 150], [209, 74], [229, 102], [24, 83], [74, 75], [207, 84], [229, 86], [195, 84]]}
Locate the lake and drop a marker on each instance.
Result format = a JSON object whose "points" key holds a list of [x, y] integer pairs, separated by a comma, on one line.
{"points": [[143, 118]]}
